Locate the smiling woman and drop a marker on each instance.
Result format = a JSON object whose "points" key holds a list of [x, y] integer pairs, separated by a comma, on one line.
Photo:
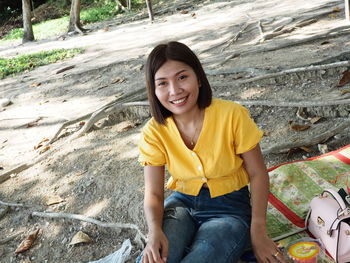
{"points": [[211, 150]]}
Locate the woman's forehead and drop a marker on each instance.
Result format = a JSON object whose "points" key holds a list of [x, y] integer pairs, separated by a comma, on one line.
{"points": [[170, 68]]}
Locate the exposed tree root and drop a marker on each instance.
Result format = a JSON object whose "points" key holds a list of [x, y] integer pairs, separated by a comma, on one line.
{"points": [[312, 140], [235, 37], [12, 204], [287, 71], [304, 104], [343, 30], [96, 116], [92, 221]]}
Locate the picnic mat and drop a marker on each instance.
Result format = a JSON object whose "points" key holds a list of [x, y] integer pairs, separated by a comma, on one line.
{"points": [[293, 185]]}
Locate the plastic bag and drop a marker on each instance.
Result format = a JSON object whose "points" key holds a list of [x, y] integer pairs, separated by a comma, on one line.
{"points": [[119, 256]]}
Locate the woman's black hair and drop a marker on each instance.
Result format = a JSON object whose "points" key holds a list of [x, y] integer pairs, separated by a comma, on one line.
{"points": [[178, 52]]}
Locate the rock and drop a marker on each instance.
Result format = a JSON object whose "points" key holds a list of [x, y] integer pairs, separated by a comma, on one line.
{"points": [[5, 102]]}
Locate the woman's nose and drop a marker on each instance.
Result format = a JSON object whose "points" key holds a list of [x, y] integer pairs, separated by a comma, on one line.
{"points": [[174, 88]]}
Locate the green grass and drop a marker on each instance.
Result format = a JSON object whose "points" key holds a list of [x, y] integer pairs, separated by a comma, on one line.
{"points": [[42, 30], [97, 11], [18, 64]]}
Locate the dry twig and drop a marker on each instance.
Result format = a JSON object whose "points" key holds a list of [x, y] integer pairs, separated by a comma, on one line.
{"points": [[90, 220]]}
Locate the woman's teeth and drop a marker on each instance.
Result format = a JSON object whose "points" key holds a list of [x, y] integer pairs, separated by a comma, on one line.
{"points": [[178, 101]]}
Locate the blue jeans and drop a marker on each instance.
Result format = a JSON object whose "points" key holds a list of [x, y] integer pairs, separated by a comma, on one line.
{"points": [[204, 229]]}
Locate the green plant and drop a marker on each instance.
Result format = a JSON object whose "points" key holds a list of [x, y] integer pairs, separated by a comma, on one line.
{"points": [[99, 13], [18, 64]]}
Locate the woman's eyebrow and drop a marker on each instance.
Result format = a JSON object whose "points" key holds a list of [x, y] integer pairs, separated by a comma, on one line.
{"points": [[177, 73]]}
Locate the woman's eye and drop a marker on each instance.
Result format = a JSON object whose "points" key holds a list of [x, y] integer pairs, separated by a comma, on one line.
{"points": [[182, 77], [161, 84]]}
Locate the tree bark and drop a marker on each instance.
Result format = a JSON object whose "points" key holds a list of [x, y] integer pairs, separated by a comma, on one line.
{"points": [[150, 11], [74, 18], [27, 23]]}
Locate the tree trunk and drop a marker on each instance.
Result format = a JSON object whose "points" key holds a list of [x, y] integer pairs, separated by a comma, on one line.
{"points": [[124, 3], [74, 18], [149, 8], [27, 23], [347, 10]]}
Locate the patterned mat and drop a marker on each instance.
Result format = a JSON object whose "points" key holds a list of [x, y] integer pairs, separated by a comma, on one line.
{"points": [[293, 185]]}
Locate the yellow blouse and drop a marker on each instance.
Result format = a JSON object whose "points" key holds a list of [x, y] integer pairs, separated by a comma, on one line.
{"points": [[227, 132]]}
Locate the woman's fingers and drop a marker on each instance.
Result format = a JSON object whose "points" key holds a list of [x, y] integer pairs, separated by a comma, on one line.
{"points": [[164, 250]]}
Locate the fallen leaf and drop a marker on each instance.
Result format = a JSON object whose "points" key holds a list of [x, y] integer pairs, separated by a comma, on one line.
{"points": [[79, 238], [345, 79], [33, 123], [325, 42], [35, 84], [118, 80], [64, 69], [299, 127], [37, 146], [315, 119], [306, 149], [333, 15], [336, 9], [54, 199], [41, 143], [105, 29], [184, 12], [82, 123], [27, 242], [193, 14], [344, 91], [291, 151], [81, 173], [266, 133], [102, 87], [46, 148]]}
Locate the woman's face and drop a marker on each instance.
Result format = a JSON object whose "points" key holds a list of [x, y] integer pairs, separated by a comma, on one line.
{"points": [[177, 87]]}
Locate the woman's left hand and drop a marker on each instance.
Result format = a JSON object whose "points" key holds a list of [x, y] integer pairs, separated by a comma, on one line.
{"points": [[265, 250]]}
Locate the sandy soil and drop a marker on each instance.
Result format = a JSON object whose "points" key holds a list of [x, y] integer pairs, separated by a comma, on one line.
{"points": [[97, 175]]}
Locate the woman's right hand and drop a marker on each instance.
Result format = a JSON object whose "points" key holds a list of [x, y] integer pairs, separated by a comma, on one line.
{"points": [[156, 250]]}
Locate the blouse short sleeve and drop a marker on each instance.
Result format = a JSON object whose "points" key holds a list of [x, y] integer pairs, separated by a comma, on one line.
{"points": [[246, 133], [150, 148]]}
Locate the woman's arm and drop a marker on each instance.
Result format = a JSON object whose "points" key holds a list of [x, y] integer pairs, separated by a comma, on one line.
{"points": [[156, 249], [264, 248]]}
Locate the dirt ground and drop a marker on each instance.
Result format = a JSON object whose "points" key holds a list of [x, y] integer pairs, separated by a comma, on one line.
{"points": [[97, 175]]}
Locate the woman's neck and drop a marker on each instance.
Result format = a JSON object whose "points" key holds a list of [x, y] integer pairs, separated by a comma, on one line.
{"points": [[189, 119]]}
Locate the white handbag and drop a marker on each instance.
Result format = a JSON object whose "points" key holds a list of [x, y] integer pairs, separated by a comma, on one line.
{"points": [[329, 221]]}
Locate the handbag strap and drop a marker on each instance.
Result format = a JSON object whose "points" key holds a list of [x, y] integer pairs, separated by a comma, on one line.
{"points": [[337, 198]]}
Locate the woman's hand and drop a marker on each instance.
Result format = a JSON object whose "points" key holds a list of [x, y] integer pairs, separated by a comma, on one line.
{"points": [[265, 250], [156, 250]]}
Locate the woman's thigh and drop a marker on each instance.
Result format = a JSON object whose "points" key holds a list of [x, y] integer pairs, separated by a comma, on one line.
{"points": [[179, 228], [219, 240]]}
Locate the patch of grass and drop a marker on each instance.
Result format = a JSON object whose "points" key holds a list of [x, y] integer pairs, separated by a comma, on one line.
{"points": [[42, 30], [100, 13], [18, 64]]}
